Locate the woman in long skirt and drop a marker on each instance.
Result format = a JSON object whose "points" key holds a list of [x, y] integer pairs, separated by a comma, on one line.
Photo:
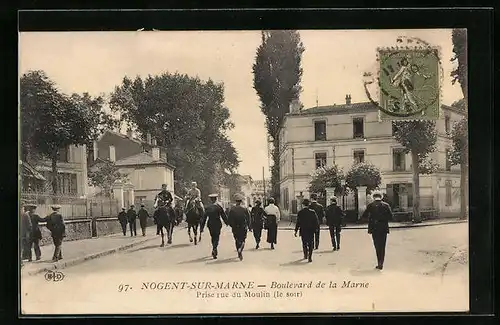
{"points": [[273, 217]]}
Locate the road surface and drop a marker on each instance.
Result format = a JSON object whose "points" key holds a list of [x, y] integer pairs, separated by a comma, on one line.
{"points": [[426, 269]]}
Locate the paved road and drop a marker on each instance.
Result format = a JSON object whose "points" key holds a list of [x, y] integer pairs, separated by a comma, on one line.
{"points": [[425, 270]]}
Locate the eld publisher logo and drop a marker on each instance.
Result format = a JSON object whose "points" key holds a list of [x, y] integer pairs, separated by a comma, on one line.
{"points": [[54, 276]]}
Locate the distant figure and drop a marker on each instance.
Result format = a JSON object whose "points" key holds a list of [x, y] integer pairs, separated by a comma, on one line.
{"points": [[123, 220], [379, 214], [320, 212], [132, 217], [239, 220], [334, 216], [257, 219], [36, 233], [308, 224], [25, 232], [55, 223], [273, 217], [215, 215], [143, 219]]}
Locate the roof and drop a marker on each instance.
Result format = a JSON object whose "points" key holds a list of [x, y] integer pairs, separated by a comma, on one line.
{"points": [[142, 158], [124, 136], [29, 171]]}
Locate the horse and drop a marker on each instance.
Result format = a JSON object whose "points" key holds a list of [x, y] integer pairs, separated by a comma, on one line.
{"points": [[165, 218], [193, 219]]}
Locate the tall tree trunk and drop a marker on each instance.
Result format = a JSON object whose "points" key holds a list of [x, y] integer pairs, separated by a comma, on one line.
{"points": [[416, 187], [275, 170], [464, 187], [54, 171]]}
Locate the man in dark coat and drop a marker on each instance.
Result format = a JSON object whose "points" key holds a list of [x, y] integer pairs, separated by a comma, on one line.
{"points": [[334, 216], [257, 219], [143, 219], [164, 196], [25, 232], [239, 220], [214, 215], [55, 223], [308, 224], [36, 233], [123, 220], [132, 217], [320, 212], [379, 214]]}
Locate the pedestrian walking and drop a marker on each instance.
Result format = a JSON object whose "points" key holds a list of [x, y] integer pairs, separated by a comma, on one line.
{"points": [[307, 224], [257, 219], [36, 234], [25, 232], [239, 220], [320, 212], [55, 223], [214, 216], [379, 214], [273, 217], [123, 220], [143, 219], [132, 218], [334, 216]]}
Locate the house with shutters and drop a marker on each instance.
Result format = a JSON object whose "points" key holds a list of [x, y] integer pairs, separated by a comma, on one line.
{"points": [[350, 133]]}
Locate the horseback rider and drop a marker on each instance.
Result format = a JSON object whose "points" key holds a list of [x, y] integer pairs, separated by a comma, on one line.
{"points": [[194, 194], [165, 196]]}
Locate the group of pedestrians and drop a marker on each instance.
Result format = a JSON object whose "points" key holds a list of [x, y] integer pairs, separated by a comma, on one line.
{"points": [[31, 233], [129, 217]]}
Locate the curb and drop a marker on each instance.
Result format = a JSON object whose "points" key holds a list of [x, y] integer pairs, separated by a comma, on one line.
{"points": [[390, 227]]}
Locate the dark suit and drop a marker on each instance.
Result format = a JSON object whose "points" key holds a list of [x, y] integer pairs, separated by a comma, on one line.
{"points": [[55, 223], [334, 217], [214, 216], [25, 235], [239, 220], [379, 214], [257, 218], [36, 235], [122, 218], [132, 217], [308, 225], [143, 219], [320, 212]]}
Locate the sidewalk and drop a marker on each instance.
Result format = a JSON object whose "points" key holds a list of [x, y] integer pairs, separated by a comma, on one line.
{"points": [[78, 251], [286, 225]]}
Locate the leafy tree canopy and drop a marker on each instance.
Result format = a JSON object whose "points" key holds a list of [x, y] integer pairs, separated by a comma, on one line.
{"points": [[104, 175], [363, 174], [325, 177]]}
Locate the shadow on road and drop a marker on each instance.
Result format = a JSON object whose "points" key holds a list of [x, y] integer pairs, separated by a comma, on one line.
{"points": [[198, 260], [295, 263], [226, 260], [176, 246], [143, 248]]}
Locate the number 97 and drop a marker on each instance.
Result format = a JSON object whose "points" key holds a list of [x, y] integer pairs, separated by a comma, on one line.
{"points": [[123, 287]]}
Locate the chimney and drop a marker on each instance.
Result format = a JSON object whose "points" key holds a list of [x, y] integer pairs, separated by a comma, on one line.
{"points": [[112, 154], [148, 138], [348, 99], [156, 153]]}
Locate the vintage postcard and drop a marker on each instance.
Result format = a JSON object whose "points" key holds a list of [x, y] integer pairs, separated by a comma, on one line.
{"points": [[283, 171]]}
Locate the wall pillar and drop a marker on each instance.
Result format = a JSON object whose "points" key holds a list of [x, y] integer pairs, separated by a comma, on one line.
{"points": [[118, 194], [361, 200]]}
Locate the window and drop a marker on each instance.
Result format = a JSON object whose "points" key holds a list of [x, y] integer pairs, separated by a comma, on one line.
{"points": [[398, 160], [67, 183], [447, 124], [320, 159], [320, 131], [140, 177], [448, 163], [448, 192], [63, 154], [359, 156], [357, 125]]}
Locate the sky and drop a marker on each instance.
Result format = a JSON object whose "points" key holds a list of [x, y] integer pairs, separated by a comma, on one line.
{"points": [[333, 65]]}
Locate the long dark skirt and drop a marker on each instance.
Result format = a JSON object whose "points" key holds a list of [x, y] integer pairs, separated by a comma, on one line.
{"points": [[272, 230]]}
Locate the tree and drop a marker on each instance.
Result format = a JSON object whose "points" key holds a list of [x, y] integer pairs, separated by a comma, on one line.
{"points": [[460, 154], [51, 120], [363, 174], [325, 177], [187, 117], [105, 175], [419, 139], [277, 74]]}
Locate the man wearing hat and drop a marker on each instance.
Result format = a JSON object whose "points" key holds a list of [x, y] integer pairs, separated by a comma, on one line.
{"points": [[143, 218], [122, 219], [25, 232], [55, 223], [257, 218], [273, 216], [164, 196], [239, 220], [132, 218], [320, 212], [334, 217], [308, 224], [194, 194], [215, 215], [36, 233], [379, 214]]}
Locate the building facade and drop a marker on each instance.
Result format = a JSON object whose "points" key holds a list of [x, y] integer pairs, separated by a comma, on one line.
{"points": [[262, 190], [351, 133]]}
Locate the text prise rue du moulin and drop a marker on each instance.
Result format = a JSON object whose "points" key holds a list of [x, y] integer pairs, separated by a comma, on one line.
{"points": [[288, 289]]}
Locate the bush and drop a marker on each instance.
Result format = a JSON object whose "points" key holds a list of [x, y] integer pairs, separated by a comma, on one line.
{"points": [[363, 174]]}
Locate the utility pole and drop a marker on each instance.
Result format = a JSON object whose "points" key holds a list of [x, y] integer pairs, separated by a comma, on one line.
{"points": [[264, 184]]}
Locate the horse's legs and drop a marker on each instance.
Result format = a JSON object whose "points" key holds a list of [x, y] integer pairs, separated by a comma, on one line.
{"points": [[189, 233], [169, 233], [162, 237], [199, 240]]}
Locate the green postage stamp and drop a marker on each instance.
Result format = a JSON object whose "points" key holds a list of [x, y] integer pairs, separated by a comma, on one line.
{"points": [[409, 81]]}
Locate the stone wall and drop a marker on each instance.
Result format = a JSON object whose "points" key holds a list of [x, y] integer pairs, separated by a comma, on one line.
{"points": [[75, 229], [108, 226]]}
